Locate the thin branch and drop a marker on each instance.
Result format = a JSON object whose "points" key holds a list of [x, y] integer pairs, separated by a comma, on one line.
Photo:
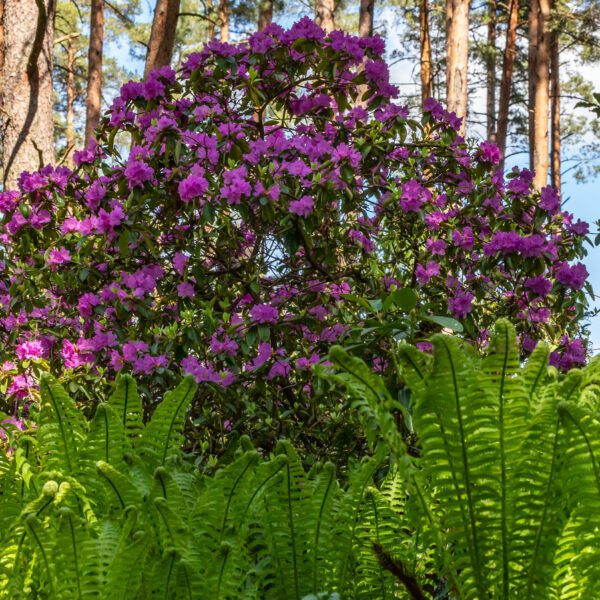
{"points": [[396, 568]]}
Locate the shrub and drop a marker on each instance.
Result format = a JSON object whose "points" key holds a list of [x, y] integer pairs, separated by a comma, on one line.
{"points": [[237, 218]]}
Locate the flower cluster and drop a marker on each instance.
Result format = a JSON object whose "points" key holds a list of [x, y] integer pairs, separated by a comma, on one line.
{"points": [[236, 218]]}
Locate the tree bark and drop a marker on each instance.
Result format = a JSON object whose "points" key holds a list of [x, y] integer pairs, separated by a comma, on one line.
{"points": [[425, 51], [555, 165], [508, 65], [539, 79], [491, 72], [224, 21], [325, 14], [457, 56], [265, 14], [162, 35], [211, 20], [27, 127], [70, 100], [365, 18], [93, 99]]}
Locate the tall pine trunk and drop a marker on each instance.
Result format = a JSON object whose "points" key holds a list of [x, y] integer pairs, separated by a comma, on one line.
{"points": [[365, 18], [265, 13], [162, 35], [224, 20], [70, 100], [508, 65], [27, 128], [425, 51], [457, 57], [325, 14], [555, 166], [491, 72], [539, 81], [93, 99]]}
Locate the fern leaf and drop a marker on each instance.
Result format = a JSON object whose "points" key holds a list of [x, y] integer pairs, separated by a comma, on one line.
{"points": [[127, 404], [61, 427], [162, 436]]}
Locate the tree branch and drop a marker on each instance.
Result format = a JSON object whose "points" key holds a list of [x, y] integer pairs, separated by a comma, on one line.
{"points": [[396, 568]]}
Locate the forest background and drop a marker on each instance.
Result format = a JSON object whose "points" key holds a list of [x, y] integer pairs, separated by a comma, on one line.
{"points": [[554, 45]]}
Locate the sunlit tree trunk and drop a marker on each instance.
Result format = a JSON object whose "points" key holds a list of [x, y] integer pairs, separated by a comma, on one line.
{"points": [[265, 13], [27, 127], [325, 14], [70, 100], [555, 165], [425, 51], [539, 81], [162, 35], [224, 21], [457, 57], [491, 72], [365, 18], [93, 100], [508, 65]]}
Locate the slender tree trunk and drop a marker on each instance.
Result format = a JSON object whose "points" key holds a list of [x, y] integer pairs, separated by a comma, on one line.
{"points": [[27, 127], [162, 35], [365, 18], [224, 20], [425, 47], [555, 166], [325, 14], [211, 21], [265, 14], [491, 72], [457, 57], [508, 65], [70, 100], [539, 80], [93, 99]]}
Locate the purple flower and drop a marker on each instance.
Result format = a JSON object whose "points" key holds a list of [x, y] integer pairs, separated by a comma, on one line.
{"points": [[571, 276], [279, 369], [180, 262], [192, 187], [58, 257], [186, 289], [549, 200], [302, 207], [539, 285], [137, 172], [414, 195], [263, 355], [461, 304], [489, 153], [424, 274], [31, 349], [264, 313]]}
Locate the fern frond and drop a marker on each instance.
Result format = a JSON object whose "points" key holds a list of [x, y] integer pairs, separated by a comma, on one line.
{"points": [[162, 436], [61, 427], [127, 404]]}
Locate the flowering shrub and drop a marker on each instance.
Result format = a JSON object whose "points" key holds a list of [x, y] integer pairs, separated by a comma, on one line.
{"points": [[238, 217]]}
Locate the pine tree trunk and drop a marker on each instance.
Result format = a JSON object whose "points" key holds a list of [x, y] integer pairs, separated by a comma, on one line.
{"points": [[539, 80], [491, 72], [265, 14], [70, 100], [325, 14], [27, 126], [555, 166], [224, 21], [508, 65], [457, 56], [93, 99], [425, 48], [162, 35], [211, 19], [365, 18]]}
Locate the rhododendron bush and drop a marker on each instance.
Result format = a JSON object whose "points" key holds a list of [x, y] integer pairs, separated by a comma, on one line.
{"points": [[273, 197]]}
